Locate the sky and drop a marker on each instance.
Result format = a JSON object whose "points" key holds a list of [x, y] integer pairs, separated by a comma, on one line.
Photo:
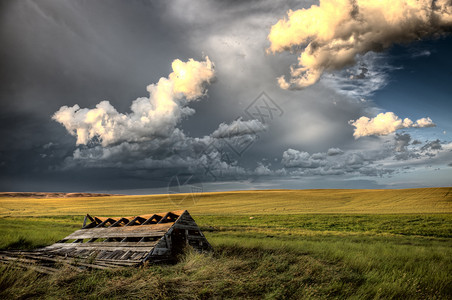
{"points": [[167, 96]]}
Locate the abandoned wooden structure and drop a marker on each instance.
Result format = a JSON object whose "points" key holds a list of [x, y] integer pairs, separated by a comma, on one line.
{"points": [[123, 241]]}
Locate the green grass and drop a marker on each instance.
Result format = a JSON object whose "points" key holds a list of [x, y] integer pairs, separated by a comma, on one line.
{"points": [[298, 244], [34, 232], [270, 256], [439, 225]]}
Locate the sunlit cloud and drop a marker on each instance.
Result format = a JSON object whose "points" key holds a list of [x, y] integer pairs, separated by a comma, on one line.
{"points": [[151, 117], [330, 35], [385, 123]]}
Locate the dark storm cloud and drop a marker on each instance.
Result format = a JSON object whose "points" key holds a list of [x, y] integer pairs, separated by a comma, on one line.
{"points": [[433, 145], [334, 151], [69, 52], [387, 156], [63, 53], [402, 141], [350, 162], [78, 52]]}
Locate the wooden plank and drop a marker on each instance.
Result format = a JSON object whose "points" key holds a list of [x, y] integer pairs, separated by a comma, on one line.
{"points": [[196, 237], [153, 230], [103, 254], [124, 255], [92, 266], [21, 259], [90, 218], [185, 223], [70, 247], [117, 265], [189, 227], [117, 254], [90, 225], [186, 217], [139, 255], [42, 257], [40, 269], [119, 261]]}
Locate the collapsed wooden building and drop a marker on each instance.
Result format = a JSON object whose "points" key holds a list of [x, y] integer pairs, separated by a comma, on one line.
{"points": [[122, 241]]}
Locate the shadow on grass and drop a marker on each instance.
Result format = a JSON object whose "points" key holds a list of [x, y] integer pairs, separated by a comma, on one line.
{"points": [[19, 244]]}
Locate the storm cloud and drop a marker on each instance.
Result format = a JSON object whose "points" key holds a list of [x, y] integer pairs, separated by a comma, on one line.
{"points": [[84, 63]]}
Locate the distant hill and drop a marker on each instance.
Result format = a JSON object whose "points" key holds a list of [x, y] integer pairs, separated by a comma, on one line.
{"points": [[406, 201], [40, 195]]}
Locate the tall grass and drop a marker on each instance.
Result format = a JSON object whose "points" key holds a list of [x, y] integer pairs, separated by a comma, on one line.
{"points": [[268, 257], [252, 269], [357, 244]]}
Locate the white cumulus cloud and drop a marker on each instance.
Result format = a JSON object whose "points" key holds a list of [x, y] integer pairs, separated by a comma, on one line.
{"points": [[330, 35], [384, 124], [156, 116]]}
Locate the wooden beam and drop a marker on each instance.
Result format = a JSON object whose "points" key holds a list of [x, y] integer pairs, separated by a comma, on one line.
{"points": [[40, 269], [154, 230], [118, 223], [136, 219], [139, 246], [150, 219], [109, 220], [168, 217]]}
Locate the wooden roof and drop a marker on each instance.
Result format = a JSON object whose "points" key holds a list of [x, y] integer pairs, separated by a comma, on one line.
{"points": [[120, 238], [105, 242]]}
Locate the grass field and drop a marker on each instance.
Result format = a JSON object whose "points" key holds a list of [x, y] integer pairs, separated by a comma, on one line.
{"points": [[299, 244], [415, 201]]}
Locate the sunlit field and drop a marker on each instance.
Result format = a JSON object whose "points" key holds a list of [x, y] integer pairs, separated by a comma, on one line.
{"points": [[431, 200], [276, 244]]}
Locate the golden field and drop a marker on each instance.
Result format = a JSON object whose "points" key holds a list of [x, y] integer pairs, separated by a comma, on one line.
{"points": [[405, 201]]}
